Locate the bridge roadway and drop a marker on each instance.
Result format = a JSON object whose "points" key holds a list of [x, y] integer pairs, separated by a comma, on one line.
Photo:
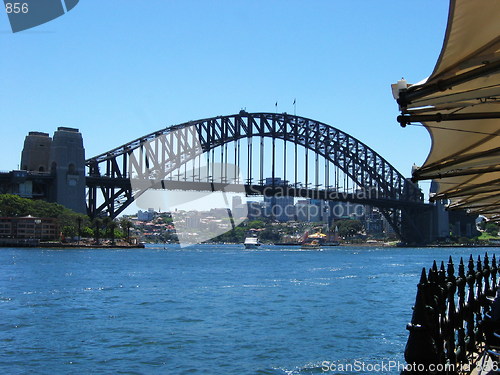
{"points": [[360, 197], [10, 184]]}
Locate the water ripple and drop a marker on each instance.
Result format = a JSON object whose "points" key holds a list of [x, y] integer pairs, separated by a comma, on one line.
{"points": [[206, 310]]}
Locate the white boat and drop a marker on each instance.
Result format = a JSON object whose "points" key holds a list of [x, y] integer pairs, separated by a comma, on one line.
{"points": [[251, 243]]}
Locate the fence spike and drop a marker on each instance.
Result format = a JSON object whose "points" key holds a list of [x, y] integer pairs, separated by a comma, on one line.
{"points": [[441, 273], [451, 269], [471, 265], [423, 277]]}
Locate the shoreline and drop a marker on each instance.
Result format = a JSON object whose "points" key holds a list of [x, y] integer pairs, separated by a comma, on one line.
{"points": [[32, 243], [35, 243]]}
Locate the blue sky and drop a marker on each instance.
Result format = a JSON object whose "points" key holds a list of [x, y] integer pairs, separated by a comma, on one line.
{"points": [[120, 69]]}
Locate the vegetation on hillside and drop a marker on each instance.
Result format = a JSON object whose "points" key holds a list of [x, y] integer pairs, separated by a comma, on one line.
{"points": [[348, 228], [270, 231], [68, 221]]}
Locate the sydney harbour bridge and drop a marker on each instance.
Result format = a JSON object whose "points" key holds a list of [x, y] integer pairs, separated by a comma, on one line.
{"points": [[300, 156]]}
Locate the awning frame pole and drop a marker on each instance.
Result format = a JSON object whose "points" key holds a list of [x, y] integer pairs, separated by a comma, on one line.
{"points": [[438, 117], [416, 92]]}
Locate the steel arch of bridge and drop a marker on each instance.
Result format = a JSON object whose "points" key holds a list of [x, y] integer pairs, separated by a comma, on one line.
{"points": [[396, 196]]}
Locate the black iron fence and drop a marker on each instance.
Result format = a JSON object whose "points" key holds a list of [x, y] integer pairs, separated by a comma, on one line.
{"points": [[448, 327]]}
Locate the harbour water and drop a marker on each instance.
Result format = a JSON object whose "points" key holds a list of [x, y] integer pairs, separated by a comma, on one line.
{"points": [[209, 309]]}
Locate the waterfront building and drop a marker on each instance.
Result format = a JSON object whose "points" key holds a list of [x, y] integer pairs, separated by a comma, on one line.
{"points": [[193, 220], [373, 222], [219, 213], [308, 210], [280, 208], [213, 224], [255, 210], [26, 227], [238, 208], [387, 228], [235, 202], [320, 213], [346, 210], [146, 215], [301, 210]]}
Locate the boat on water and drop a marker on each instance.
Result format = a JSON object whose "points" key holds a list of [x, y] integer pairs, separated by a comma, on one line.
{"points": [[314, 244], [251, 243], [313, 241], [319, 239]]}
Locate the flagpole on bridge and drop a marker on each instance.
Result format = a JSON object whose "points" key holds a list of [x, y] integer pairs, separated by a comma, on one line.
{"points": [[294, 107]]}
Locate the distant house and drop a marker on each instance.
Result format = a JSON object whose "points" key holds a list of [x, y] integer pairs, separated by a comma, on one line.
{"points": [[29, 227]]}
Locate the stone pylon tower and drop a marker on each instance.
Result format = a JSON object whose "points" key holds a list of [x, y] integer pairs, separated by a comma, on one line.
{"points": [[36, 152], [67, 164]]}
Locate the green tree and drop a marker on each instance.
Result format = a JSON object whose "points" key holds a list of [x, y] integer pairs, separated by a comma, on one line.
{"points": [[111, 230], [256, 224], [69, 231], [15, 206], [45, 209], [270, 235], [348, 228], [492, 229], [105, 224], [87, 232], [125, 226], [96, 225]]}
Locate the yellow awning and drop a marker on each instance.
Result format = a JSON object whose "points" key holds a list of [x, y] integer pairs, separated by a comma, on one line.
{"points": [[459, 104], [317, 235]]}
